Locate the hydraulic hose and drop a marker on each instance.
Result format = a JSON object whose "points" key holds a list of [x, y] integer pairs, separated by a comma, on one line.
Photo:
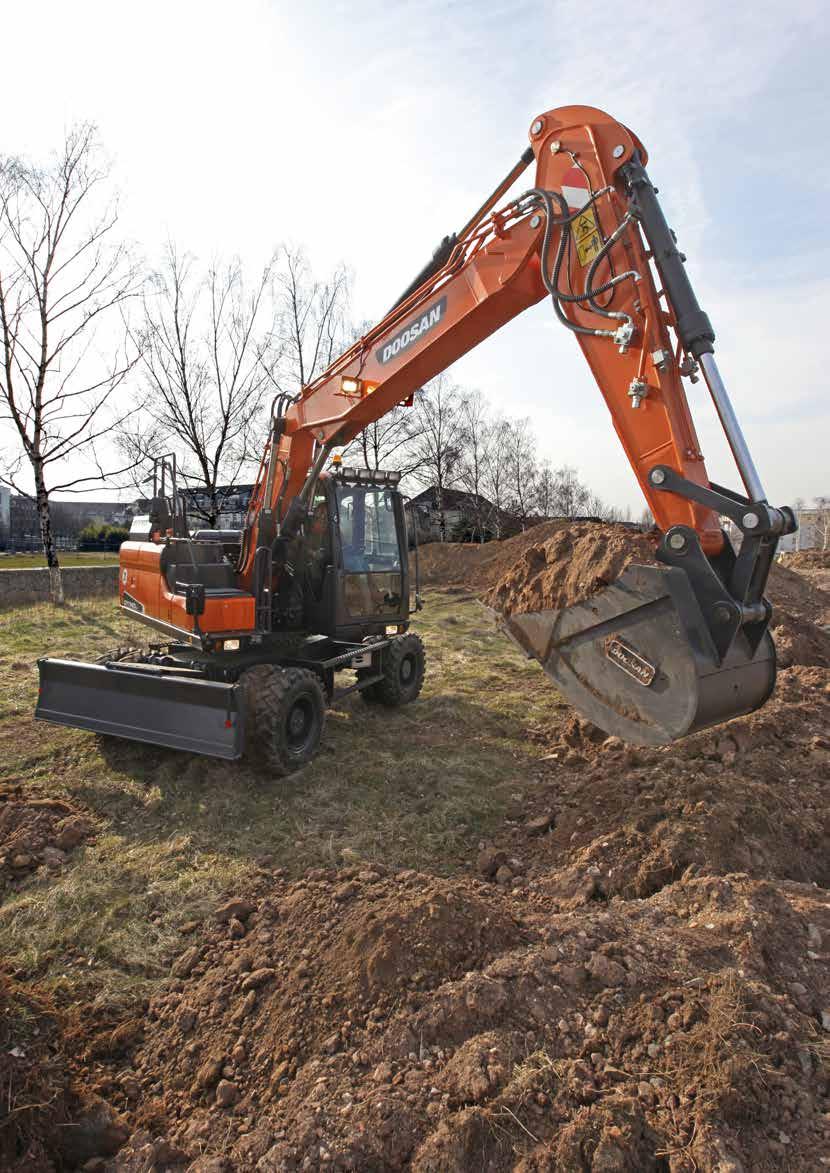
{"points": [[551, 279]]}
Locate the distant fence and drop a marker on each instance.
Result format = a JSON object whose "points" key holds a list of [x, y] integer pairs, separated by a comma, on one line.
{"points": [[32, 544], [32, 586]]}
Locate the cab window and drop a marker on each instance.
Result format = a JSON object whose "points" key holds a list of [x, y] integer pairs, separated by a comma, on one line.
{"points": [[368, 533]]}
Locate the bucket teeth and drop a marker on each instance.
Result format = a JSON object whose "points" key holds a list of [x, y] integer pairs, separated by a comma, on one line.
{"points": [[637, 658]]}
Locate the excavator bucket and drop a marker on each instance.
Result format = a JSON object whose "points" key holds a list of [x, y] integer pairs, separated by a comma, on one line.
{"points": [[143, 703], [638, 660]]}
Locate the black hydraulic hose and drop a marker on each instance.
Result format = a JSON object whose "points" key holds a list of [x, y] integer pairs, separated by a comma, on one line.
{"points": [[603, 252], [551, 281], [539, 195]]}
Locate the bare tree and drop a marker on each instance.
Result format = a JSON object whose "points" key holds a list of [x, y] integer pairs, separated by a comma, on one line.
{"points": [[386, 443], [63, 280], [496, 471], [311, 328], [521, 468], [822, 521], [545, 490], [438, 438], [572, 498], [208, 362], [798, 507], [477, 439]]}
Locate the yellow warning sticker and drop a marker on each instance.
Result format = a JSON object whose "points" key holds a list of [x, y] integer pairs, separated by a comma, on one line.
{"points": [[585, 224], [588, 248], [587, 236]]}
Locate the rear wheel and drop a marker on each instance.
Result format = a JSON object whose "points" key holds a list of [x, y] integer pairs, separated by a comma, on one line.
{"points": [[403, 666], [285, 717]]}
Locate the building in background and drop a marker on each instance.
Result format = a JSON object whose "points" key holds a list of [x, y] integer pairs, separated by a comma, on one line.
{"points": [[5, 516], [68, 519], [462, 517], [813, 531], [233, 501], [20, 530]]}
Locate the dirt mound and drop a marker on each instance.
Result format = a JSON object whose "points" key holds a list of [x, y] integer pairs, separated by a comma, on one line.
{"points": [[794, 592], [33, 1079], [36, 832], [748, 796], [519, 1036], [279, 981], [806, 559], [798, 641], [571, 564], [637, 979], [479, 566], [554, 564], [45, 1123]]}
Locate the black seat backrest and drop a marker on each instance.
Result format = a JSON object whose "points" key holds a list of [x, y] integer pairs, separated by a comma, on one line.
{"points": [[204, 562]]}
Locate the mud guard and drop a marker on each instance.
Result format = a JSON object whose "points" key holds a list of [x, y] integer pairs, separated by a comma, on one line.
{"points": [[638, 660], [143, 703]]}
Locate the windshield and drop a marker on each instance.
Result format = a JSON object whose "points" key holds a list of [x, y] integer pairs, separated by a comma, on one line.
{"points": [[368, 533]]}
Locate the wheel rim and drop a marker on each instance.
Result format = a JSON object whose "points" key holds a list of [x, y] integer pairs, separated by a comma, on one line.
{"points": [[407, 672], [299, 724]]}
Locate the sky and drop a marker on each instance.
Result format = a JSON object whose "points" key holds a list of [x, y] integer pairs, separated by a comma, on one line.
{"points": [[367, 131]]}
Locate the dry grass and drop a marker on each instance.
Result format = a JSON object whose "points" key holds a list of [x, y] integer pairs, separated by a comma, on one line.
{"points": [[74, 558], [722, 1056], [415, 787]]}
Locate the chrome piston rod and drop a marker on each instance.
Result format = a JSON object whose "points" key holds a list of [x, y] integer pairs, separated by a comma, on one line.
{"points": [[729, 421]]}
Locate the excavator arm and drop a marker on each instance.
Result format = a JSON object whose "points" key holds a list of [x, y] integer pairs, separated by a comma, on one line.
{"points": [[589, 234]]}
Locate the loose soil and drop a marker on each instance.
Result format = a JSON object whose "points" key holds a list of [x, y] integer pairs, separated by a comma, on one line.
{"points": [[567, 566], [629, 974], [632, 975], [36, 833]]}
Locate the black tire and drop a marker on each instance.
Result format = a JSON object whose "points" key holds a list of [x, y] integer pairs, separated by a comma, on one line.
{"points": [[285, 717], [403, 665]]}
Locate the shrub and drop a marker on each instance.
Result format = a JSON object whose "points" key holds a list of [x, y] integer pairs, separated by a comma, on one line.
{"points": [[99, 535]]}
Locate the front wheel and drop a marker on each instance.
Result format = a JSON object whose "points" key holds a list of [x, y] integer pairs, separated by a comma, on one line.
{"points": [[403, 666], [285, 717]]}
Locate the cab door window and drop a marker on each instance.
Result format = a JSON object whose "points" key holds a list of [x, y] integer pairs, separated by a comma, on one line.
{"points": [[318, 545], [370, 550]]}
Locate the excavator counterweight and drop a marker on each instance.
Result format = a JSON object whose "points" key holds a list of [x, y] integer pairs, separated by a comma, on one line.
{"points": [[317, 581]]}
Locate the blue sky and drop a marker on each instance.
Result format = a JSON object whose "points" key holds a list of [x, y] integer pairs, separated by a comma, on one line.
{"points": [[367, 131]]}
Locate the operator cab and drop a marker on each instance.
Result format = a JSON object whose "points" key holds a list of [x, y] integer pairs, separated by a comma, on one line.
{"points": [[357, 574]]}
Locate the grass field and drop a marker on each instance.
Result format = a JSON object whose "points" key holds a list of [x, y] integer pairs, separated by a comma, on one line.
{"points": [[416, 787], [36, 561]]}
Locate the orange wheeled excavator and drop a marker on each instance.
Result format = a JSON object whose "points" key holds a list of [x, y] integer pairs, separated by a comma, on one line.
{"points": [[253, 627]]}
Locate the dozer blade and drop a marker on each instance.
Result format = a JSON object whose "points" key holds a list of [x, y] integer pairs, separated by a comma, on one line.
{"points": [[143, 703], [637, 658]]}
